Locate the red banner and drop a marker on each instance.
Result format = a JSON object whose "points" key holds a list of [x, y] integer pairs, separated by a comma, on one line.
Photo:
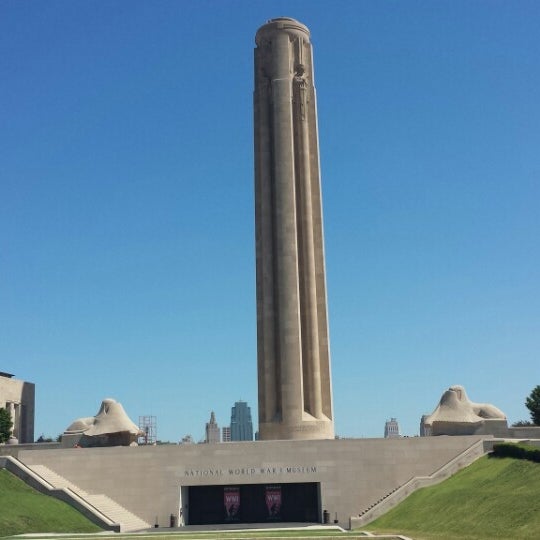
{"points": [[231, 499], [273, 501]]}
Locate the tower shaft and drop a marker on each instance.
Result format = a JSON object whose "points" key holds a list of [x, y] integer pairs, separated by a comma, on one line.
{"points": [[295, 400]]}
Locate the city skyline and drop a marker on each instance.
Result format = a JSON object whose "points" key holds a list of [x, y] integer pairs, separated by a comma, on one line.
{"points": [[126, 207]]}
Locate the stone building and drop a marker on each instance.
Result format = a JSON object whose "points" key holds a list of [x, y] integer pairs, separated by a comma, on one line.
{"points": [[18, 397], [391, 429], [425, 430]]}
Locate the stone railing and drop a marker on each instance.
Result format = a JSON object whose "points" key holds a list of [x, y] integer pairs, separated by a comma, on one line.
{"points": [[14, 449]]}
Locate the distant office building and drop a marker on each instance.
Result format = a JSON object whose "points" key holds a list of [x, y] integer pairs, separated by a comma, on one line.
{"points": [[212, 430], [18, 398], [391, 429], [425, 430], [226, 434], [241, 424]]}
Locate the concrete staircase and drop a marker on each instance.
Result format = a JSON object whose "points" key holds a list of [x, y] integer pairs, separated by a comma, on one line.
{"points": [[105, 505]]}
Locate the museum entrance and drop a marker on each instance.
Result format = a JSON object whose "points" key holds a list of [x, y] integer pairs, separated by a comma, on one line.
{"points": [[253, 503]]}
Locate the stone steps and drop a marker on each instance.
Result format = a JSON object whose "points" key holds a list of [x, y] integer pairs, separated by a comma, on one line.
{"points": [[127, 520], [56, 480], [107, 506]]}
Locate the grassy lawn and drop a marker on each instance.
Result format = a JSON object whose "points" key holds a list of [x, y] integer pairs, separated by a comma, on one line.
{"points": [[492, 498], [211, 535], [24, 510]]}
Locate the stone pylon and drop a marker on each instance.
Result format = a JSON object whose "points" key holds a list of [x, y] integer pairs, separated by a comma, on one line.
{"points": [[295, 396]]}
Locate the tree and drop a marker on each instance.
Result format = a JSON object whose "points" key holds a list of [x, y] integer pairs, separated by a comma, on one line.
{"points": [[5, 425], [522, 423], [533, 404]]}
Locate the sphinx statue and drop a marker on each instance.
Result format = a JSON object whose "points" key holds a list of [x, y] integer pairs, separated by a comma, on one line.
{"points": [[111, 426], [456, 414]]}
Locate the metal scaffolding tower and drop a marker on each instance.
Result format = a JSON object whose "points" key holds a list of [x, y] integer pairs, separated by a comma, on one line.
{"points": [[148, 425]]}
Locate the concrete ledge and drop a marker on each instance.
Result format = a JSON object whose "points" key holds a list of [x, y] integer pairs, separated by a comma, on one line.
{"points": [[14, 449]]}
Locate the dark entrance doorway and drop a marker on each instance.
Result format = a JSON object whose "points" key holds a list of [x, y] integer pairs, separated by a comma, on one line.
{"points": [[254, 503]]}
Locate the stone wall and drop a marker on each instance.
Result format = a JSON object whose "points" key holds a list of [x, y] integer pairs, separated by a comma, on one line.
{"points": [[147, 480], [528, 432], [13, 450]]}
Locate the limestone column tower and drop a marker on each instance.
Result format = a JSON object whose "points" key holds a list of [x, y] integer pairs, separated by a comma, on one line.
{"points": [[295, 396]]}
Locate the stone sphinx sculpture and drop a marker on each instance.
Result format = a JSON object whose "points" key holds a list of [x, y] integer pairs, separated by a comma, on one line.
{"points": [[456, 414], [110, 427]]}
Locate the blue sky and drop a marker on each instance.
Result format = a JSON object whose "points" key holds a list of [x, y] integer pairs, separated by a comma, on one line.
{"points": [[127, 221]]}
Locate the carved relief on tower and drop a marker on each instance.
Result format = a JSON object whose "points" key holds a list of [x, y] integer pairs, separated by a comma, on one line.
{"points": [[300, 89]]}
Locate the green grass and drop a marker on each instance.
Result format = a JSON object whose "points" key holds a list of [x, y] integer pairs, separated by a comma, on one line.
{"points": [[24, 510], [492, 498], [213, 535]]}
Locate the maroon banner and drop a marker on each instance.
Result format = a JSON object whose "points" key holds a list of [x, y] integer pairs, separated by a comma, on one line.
{"points": [[273, 501], [231, 499]]}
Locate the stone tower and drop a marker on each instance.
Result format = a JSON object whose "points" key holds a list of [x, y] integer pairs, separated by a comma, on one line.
{"points": [[212, 430], [295, 396]]}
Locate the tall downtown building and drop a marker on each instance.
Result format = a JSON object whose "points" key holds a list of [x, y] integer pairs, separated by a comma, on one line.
{"points": [[295, 397], [241, 424], [212, 432]]}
